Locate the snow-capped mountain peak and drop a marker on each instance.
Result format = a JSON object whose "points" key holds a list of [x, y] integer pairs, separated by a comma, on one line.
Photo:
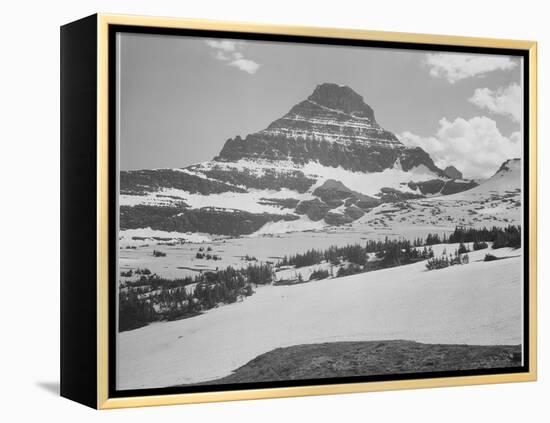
{"points": [[333, 127], [326, 162]]}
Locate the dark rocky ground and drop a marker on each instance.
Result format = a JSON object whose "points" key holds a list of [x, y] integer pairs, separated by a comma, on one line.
{"points": [[341, 359]]}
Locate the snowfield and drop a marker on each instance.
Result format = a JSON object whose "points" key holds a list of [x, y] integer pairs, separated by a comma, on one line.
{"points": [[369, 183], [478, 303], [251, 201], [506, 180], [495, 202], [286, 226]]}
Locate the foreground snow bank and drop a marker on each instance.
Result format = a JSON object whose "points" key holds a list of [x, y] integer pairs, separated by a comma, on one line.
{"points": [[479, 303]]}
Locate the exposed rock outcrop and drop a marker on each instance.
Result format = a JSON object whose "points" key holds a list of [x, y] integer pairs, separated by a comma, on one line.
{"points": [[452, 172]]}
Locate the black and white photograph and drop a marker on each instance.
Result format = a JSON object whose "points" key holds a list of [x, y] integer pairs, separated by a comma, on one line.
{"points": [[299, 211]]}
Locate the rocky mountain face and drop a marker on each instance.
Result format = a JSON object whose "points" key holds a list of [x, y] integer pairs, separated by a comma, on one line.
{"points": [[326, 162], [333, 127], [452, 172]]}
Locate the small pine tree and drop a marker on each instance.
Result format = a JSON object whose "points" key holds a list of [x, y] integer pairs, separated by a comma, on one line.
{"points": [[462, 249]]}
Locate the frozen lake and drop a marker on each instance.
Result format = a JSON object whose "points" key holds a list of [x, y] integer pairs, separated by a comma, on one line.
{"points": [[180, 259]]}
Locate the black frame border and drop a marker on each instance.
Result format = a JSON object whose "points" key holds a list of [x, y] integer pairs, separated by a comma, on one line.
{"points": [[113, 200]]}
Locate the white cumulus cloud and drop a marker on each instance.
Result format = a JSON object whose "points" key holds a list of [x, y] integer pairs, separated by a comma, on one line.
{"points": [[225, 45], [456, 66], [245, 65], [230, 52], [475, 146], [506, 101]]}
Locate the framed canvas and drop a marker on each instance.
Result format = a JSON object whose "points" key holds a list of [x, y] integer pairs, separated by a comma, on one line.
{"points": [[254, 211]]}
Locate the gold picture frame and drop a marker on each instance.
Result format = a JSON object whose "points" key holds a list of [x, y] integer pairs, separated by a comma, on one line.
{"points": [[98, 27]]}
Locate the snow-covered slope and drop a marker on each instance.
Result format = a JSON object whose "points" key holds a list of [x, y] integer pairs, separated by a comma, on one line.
{"points": [[507, 179], [365, 183], [496, 201], [478, 303]]}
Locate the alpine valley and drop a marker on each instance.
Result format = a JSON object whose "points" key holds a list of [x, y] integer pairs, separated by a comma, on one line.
{"points": [[320, 246]]}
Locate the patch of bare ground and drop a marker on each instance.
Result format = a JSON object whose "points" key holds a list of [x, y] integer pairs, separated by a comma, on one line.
{"points": [[372, 358]]}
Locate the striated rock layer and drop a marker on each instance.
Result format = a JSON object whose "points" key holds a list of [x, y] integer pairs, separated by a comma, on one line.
{"points": [[333, 127]]}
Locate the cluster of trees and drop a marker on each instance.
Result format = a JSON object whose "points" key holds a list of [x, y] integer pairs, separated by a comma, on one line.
{"points": [[460, 256], [463, 249], [319, 274], [509, 236], [152, 298], [201, 254], [390, 252], [226, 286], [356, 258], [133, 311], [152, 282], [433, 239], [259, 274], [308, 258], [207, 256], [479, 245], [401, 252], [350, 269], [157, 253]]}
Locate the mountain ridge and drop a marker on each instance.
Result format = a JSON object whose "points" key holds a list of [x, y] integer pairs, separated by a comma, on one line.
{"points": [[325, 162]]}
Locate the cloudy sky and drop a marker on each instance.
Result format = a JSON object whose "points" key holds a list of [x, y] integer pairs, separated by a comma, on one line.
{"points": [[181, 98]]}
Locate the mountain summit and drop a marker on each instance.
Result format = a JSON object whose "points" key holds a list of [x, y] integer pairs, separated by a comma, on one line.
{"points": [[333, 127], [343, 98]]}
